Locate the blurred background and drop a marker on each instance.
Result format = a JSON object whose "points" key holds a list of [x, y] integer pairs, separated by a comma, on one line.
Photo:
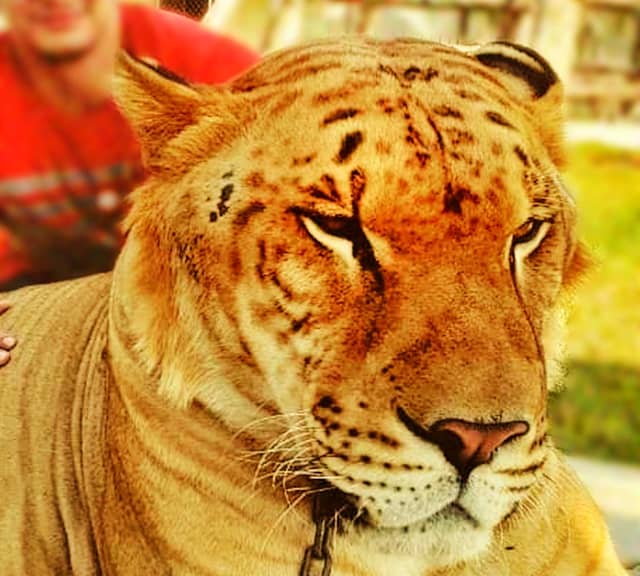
{"points": [[594, 45]]}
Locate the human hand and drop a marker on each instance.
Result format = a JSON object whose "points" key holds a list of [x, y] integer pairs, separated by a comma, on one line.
{"points": [[7, 342]]}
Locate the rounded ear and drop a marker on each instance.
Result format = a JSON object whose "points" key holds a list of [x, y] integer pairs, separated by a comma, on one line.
{"points": [[533, 81]]}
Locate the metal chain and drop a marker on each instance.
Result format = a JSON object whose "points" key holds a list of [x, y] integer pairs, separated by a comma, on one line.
{"points": [[317, 557]]}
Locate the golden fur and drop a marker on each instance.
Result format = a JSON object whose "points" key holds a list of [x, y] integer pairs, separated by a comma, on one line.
{"points": [[343, 271]]}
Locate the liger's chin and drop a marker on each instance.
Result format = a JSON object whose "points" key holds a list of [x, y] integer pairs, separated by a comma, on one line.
{"points": [[449, 537]]}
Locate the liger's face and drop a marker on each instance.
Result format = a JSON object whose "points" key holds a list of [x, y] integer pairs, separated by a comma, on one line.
{"points": [[60, 30]]}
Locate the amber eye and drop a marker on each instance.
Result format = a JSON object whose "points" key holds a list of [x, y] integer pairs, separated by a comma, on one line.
{"points": [[528, 231], [526, 240], [340, 226], [342, 234]]}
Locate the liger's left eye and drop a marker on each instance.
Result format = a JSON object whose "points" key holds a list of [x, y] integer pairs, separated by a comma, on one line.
{"points": [[528, 231], [528, 237]]}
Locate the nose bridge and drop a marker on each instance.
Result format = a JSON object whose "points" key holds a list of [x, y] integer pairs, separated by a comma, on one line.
{"points": [[482, 361]]}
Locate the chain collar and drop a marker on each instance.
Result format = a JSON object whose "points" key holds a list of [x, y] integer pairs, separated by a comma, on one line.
{"points": [[317, 559]]}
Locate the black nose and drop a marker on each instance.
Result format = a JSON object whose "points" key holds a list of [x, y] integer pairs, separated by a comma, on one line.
{"points": [[466, 444]]}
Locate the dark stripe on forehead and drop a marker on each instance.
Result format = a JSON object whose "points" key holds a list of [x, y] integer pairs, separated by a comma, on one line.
{"points": [[447, 111], [349, 145], [358, 183], [469, 65], [497, 118], [242, 218], [520, 153], [343, 91], [341, 114], [304, 72]]}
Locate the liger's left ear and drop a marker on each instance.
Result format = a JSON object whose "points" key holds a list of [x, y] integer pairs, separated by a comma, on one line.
{"points": [[530, 78]]}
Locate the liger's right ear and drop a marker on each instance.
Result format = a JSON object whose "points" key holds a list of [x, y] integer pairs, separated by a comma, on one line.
{"points": [[158, 104]]}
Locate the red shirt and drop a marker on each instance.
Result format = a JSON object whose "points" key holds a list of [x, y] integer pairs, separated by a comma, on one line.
{"points": [[63, 178]]}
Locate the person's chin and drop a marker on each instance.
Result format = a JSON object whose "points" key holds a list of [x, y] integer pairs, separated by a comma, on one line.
{"points": [[65, 48], [57, 43]]}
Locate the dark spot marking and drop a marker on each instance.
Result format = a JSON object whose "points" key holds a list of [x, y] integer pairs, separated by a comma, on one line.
{"points": [[468, 95], [213, 216], [389, 71], [336, 409], [365, 459], [342, 114], [386, 105], [423, 158], [353, 432], [358, 183], [497, 118], [334, 426], [243, 217], [429, 74], [304, 160], [330, 185], [326, 401], [372, 435], [316, 192], [520, 153], [447, 111], [509, 547], [349, 145], [363, 405], [227, 175], [329, 191], [386, 440], [227, 190], [411, 73], [459, 137], [255, 180], [453, 199], [296, 326], [262, 252], [284, 289]]}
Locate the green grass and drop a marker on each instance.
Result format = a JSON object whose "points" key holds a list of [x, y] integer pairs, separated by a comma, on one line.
{"points": [[598, 414]]}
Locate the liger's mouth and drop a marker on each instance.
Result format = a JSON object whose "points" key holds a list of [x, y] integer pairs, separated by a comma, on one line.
{"points": [[344, 508]]}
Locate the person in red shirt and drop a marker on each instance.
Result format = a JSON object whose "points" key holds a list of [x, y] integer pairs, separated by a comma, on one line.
{"points": [[68, 157]]}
